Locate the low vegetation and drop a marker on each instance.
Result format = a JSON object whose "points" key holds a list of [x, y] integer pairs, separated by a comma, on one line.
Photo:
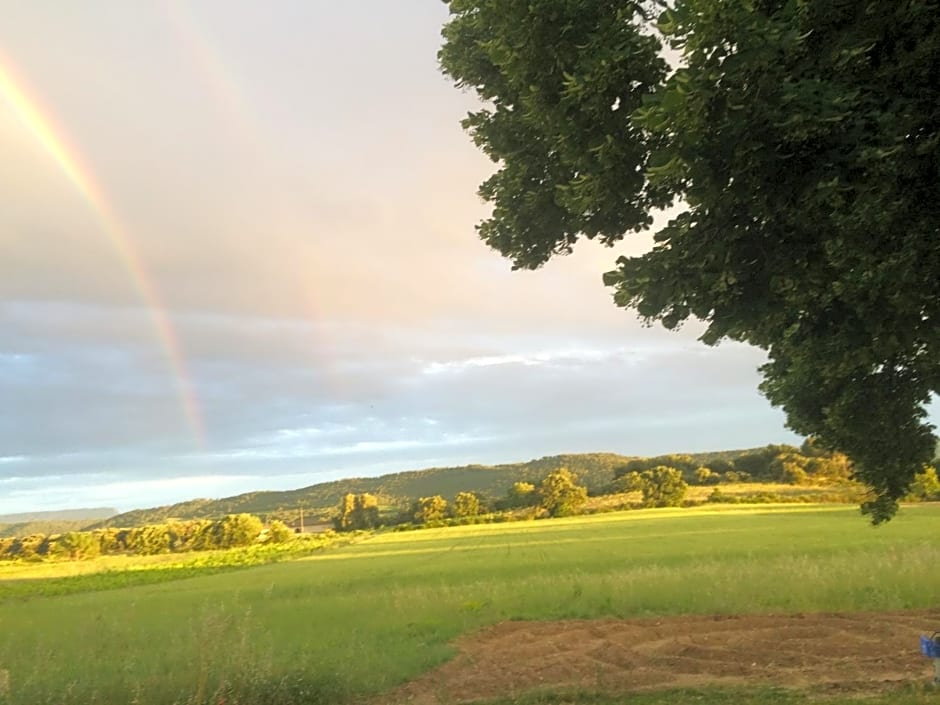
{"points": [[234, 531]]}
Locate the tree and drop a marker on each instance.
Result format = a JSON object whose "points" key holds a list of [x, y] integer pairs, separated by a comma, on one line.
{"points": [[790, 468], [152, 539], [279, 532], [661, 487], [357, 512], [522, 494], [706, 476], [629, 482], [926, 485], [467, 504], [430, 510], [832, 467], [798, 142], [238, 530], [560, 495], [76, 545]]}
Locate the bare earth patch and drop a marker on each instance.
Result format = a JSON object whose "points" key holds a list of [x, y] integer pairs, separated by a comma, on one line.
{"points": [[858, 650]]}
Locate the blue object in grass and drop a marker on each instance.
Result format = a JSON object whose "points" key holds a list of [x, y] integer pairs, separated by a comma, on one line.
{"points": [[930, 645]]}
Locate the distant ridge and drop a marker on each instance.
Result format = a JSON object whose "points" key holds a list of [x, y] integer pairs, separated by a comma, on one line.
{"points": [[54, 522], [86, 513], [596, 470]]}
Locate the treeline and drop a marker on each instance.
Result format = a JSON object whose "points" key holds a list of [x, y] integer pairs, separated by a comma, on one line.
{"points": [[558, 494], [596, 472], [808, 464], [660, 481], [232, 531], [594, 469]]}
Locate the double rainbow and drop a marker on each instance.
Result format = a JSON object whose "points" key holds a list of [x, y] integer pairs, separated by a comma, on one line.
{"points": [[40, 126]]}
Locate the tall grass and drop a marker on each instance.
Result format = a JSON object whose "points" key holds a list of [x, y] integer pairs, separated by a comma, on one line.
{"points": [[365, 617]]}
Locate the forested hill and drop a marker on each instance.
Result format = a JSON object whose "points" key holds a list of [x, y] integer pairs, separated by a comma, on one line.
{"points": [[596, 470], [53, 522]]}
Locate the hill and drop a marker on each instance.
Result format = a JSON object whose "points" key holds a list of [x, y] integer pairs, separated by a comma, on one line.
{"points": [[54, 522], [596, 470], [86, 513], [47, 528]]}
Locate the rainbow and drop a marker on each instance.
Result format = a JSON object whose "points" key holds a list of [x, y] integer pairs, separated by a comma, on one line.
{"points": [[40, 126], [237, 111]]}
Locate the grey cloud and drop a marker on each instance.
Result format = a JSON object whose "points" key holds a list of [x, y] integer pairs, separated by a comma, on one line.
{"points": [[303, 204]]}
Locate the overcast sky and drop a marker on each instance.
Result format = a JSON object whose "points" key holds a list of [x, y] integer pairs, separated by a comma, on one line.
{"points": [[237, 252]]}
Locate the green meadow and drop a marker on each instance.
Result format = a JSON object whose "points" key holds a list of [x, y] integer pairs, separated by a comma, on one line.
{"points": [[354, 621]]}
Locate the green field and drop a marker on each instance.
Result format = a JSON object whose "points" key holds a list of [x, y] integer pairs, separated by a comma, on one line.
{"points": [[358, 620]]}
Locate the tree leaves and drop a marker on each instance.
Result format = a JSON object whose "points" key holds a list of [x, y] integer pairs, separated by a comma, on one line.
{"points": [[802, 140]]}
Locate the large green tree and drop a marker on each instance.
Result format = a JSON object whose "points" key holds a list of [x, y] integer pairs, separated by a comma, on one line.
{"points": [[798, 141], [661, 486], [357, 512], [560, 494], [430, 510], [467, 504]]}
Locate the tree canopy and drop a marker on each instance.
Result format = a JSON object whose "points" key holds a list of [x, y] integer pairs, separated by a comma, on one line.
{"points": [[798, 142], [661, 486], [357, 512], [560, 494]]}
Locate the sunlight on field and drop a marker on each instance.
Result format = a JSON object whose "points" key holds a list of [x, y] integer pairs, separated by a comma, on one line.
{"points": [[40, 570], [363, 618]]}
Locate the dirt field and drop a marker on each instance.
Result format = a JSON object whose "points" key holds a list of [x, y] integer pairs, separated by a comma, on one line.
{"points": [[857, 651]]}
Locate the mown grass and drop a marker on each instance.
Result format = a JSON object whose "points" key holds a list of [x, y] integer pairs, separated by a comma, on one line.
{"points": [[361, 619], [908, 695]]}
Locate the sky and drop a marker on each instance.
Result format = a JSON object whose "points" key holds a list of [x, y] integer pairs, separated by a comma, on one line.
{"points": [[237, 252]]}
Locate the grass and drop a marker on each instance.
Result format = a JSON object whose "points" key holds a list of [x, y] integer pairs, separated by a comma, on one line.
{"points": [[45, 579], [358, 620]]}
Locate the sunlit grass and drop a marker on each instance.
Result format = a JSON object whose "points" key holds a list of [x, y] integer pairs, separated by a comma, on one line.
{"points": [[740, 491], [56, 569], [27, 580], [365, 617]]}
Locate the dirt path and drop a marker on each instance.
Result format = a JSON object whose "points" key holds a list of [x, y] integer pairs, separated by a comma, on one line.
{"points": [[851, 651]]}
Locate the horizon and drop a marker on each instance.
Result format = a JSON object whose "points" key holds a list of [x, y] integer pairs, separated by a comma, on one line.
{"points": [[240, 252], [343, 478]]}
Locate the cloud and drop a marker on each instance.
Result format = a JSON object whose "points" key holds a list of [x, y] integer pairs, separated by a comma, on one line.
{"points": [[304, 206]]}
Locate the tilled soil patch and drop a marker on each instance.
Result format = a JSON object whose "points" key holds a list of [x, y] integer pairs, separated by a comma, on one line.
{"points": [[854, 651]]}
